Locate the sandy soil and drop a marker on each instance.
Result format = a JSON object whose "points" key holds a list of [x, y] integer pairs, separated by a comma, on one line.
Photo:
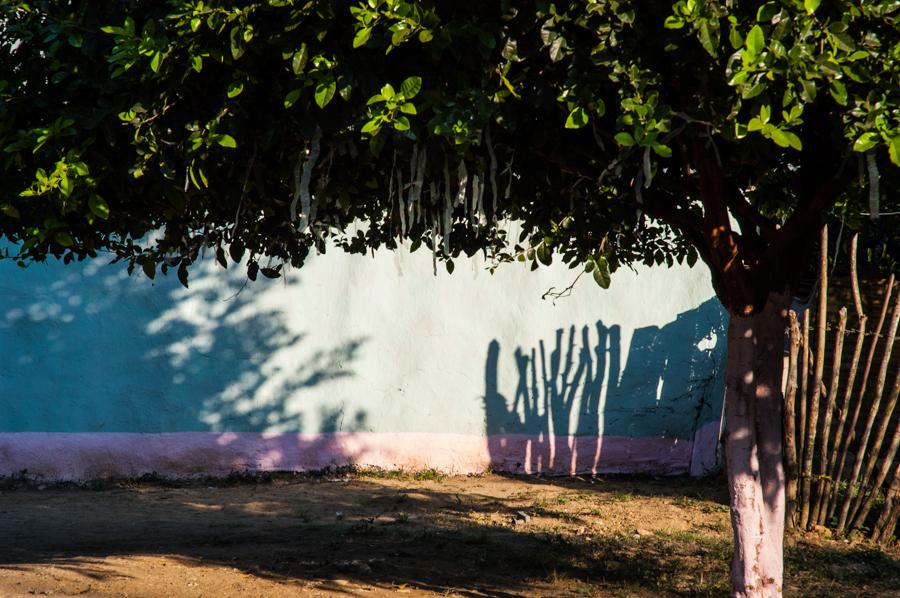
{"points": [[385, 535]]}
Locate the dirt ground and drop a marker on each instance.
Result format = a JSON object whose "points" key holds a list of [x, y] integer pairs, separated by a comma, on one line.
{"points": [[389, 534]]}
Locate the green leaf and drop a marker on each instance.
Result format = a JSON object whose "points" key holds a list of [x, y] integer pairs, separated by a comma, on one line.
{"points": [[673, 22], [235, 89], [866, 141], [794, 140], [362, 36], [894, 150], [755, 124], [783, 138], [98, 206], [735, 38], [291, 98], [766, 11], [577, 118], [625, 139], [183, 274], [755, 41], [425, 36], [371, 127], [10, 210], [149, 268], [811, 5], [754, 90], [839, 92], [226, 141], [64, 239], [301, 57], [601, 273], [345, 89], [325, 92], [662, 150], [387, 92], [557, 49], [708, 39], [411, 87], [401, 123], [408, 108], [156, 62], [236, 250], [739, 78], [544, 254], [777, 136], [808, 91], [237, 47]]}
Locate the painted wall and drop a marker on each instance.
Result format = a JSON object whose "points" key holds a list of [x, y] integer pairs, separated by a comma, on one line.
{"points": [[372, 361]]}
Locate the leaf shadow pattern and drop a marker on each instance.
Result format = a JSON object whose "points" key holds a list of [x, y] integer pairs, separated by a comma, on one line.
{"points": [[93, 351]]}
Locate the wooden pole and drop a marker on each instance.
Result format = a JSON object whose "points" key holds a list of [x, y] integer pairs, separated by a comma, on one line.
{"points": [[813, 410], [824, 484], [833, 472], [881, 532], [866, 506], [805, 361], [881, 429], [790, 433], [870, 358], [870, 420]]}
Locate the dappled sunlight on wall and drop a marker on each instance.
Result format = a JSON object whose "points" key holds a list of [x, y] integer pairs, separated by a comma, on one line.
{"points": [[99, 351]]}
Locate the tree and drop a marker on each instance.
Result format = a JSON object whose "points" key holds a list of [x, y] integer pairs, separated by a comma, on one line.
{"points": [[617, 132]]}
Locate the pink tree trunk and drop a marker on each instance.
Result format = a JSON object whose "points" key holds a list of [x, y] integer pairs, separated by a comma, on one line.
{"points": [[753, 444]]}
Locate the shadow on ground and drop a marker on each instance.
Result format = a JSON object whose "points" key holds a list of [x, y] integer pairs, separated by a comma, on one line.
{"points": [[479, 536]]}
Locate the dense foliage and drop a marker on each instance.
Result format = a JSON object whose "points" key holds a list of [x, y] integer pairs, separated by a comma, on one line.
{"points": [[268, 128]]}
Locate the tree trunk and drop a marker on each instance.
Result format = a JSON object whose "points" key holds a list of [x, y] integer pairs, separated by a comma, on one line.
{"points": [[753, 419]]}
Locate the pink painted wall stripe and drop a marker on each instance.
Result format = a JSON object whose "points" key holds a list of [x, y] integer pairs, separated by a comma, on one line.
{"points": [[67, 456]]}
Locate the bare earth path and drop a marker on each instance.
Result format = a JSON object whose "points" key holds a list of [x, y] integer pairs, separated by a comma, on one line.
{"points": [[385, 535]]}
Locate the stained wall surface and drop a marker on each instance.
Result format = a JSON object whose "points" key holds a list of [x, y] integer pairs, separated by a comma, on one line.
{"points": [[372, 361]]}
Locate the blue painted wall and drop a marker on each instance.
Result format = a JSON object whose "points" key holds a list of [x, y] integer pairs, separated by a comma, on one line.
{"points": [[359, 344]]}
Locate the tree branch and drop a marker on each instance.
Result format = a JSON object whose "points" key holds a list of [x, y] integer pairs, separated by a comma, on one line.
{"points": [[736, 290], [749, 217], [792, 238]]}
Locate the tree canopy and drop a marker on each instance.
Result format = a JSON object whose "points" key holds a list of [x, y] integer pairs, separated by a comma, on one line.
{"points": [[615, 132]]}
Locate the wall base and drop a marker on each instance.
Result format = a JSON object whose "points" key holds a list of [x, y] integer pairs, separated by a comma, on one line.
{"points": [[62, 456]]}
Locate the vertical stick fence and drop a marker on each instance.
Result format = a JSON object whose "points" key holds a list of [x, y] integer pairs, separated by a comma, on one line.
{"points": [[842, 441]]}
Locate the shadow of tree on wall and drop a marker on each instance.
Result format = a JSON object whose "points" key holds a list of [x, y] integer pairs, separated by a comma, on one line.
{"points": [[577, 409], [92, 350]]}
